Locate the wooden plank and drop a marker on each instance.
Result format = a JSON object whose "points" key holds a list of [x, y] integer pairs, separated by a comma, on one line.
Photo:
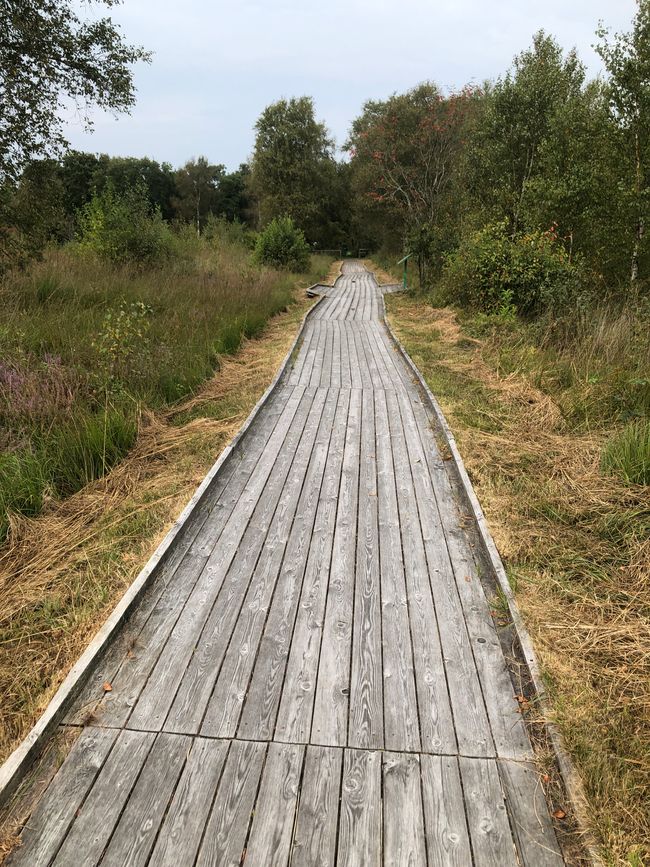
{"points": [[264, 690], [404, 841], [145, 652], [467, 700], [402, 730], [181, 832], [155, 699], [355, 367], [328, 356], [320, 354], [436, 721], [136, 832], [364, 367], [335, 380], [346, 374], [444, 812], [529, 815], [301, 356], [295, 714], [360, 812], [310, 355], [487, 818], [197, 683], [269, 842], [227, 828], [314, 843], [225, 703], [366, 722], [99, 814], [49, 823], [508, 728], [330, 721]]}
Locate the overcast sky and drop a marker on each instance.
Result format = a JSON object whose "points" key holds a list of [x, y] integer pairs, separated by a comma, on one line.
{"points": [[217, 64]]}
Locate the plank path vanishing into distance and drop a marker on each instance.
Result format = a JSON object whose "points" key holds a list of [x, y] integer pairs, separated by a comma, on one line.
{"points": [[314, 676]]}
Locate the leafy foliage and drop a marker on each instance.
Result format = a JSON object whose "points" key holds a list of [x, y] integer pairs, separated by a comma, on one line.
{"points": [[124, 228], [293, 171], [283, 245], [47, 54], [495, 272]]}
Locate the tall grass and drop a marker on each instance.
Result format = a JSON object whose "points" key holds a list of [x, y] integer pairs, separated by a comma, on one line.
{"points": [[86, 344], [627, 453]]}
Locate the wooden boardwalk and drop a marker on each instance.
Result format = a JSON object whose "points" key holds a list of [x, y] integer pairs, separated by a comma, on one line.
{"points": [[314, 677]]}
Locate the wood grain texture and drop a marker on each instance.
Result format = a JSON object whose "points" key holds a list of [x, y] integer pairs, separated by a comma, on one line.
{"points": [[444, 812], [404, 840], [314, 843], [47, 827], [360, 819]]}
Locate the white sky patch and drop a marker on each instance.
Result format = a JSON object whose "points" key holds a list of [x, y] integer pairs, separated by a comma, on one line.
{"points": [[216, 65]]}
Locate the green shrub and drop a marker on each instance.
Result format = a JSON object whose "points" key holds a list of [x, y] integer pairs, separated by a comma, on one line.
{"points": [[496, 273], [125, 228], [282, 245], [627, 455]]}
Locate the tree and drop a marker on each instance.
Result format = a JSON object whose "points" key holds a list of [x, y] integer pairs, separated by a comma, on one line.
{"points": [[627, 60], [404, 157], [197, 183], [49, 54], [518, 114], [292, 165], [232, 200]]}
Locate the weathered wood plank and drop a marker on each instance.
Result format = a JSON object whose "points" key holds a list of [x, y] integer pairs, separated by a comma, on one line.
{"points": [[295, 714], [330, 720], [366, 723], [225, 703], [402, 730], [314, 843], [273, 513], [404, 840], [487, 817], [135, 834], [444, 812], [436, 721], [227, 828], [48, 825], [508, 729], [181, 832], [99, 814], [529, 816], [360, 837], [269, 842], [155, 699], [467, 700], [263, 696]]}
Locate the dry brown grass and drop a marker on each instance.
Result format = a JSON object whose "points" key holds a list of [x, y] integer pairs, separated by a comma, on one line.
{"points": [[576, 547], [62, 572]]}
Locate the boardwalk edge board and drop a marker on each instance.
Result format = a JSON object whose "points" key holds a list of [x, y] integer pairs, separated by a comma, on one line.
{"points": [[18, 763], [570, 777]]}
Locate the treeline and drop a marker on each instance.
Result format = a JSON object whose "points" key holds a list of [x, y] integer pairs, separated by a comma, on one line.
{"points": [[516, 195], [46, 202]]}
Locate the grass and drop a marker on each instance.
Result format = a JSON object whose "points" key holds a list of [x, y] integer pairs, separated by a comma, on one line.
{"points": [[553, 429], [627, 453], [87, 347], [62, 571]]}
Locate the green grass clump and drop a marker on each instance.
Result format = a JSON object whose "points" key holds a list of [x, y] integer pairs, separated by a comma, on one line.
{"points": [[89, 341], [627, 454]]}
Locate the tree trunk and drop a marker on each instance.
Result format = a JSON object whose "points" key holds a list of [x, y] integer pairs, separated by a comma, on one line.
{"points": [[640, 222]]}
